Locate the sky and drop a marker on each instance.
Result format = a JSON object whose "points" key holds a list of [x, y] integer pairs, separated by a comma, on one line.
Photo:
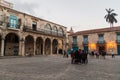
{"points": [[78, 14]]}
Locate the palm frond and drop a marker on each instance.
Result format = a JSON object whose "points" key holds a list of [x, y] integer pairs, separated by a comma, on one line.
{"points": [[114, 14], [110, 16], [115, 20]]}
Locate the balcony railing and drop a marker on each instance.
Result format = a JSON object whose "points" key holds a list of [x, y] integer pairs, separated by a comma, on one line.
{"points": [[46, 32], [74, 44], [28, 28], [117, 41], [54, 33], [85, 42], [101, 42], [17, 26]]}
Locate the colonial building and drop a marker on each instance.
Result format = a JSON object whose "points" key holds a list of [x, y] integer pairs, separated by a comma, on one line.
{"points": [[23, 34], [107, 39], [67, 38]]}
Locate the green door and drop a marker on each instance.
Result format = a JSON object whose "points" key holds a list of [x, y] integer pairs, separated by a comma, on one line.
{"points": [[118, 49], [86, 48]]}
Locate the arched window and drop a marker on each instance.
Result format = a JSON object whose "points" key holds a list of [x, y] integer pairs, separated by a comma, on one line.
{"points": [[60, 32], [54, 30], [48, 29]]}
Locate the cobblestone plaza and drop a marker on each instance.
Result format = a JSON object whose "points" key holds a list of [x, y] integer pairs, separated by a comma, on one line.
{"points": [[59, 68]]}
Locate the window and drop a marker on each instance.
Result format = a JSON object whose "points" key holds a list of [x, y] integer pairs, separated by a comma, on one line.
{"points": [[101, 38], [118, 36], [74, 39], [48, 29], [34, 25], [85, 38], [60, 32], [13, 21], [54, 30]]}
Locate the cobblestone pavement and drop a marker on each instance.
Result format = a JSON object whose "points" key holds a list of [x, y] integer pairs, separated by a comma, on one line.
{"points": [[59, 68]]}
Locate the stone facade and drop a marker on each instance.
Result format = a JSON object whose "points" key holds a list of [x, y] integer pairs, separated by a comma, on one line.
{"points": [[6, 4], [110, 39], [23, 34]]}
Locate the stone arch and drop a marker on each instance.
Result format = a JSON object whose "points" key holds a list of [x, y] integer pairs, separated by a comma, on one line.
{"points": [[48, 29], [11, 44], [29, 45], [39, 46], [47, 46], [54, 46], [60, 46], [54, 30]]}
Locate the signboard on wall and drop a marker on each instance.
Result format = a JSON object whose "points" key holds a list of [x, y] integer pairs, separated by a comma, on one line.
{"points": [[13, 20]]}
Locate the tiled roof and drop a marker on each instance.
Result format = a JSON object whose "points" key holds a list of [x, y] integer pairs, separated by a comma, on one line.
{"points": [[110, 29]]}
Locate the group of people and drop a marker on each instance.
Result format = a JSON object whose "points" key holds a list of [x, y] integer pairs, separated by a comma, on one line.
{"points": [[98, 53], [79, 56]]}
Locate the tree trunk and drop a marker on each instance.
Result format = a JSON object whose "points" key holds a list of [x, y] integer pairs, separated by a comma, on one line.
{"points": [[111, 24]]}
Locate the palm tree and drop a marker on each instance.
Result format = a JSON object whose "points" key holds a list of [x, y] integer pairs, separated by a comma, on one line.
{"points": [[110, 17]]}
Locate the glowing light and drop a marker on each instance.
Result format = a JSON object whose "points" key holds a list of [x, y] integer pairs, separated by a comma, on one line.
{"points": [[92, 46], [111, 45]]}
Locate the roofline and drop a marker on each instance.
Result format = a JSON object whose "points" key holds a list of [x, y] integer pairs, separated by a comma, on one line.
{"points": [[109, 29], [33, 16]]}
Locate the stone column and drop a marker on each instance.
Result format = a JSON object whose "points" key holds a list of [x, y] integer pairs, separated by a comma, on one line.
{"points": [[23, 48], [20, 48], [57, 49], [63, 47], [43, 48], [34, 48], [51, 50], [2, 47]]}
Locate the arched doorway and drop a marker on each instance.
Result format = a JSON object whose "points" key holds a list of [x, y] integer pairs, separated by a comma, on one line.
{"points": [[60, 46], [39, 46], [29, 45], [11, 45], [47, 46], [54, 46]]}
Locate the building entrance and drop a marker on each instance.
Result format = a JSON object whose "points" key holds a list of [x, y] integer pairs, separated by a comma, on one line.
{"points": [[11, 45], [101, 48]]}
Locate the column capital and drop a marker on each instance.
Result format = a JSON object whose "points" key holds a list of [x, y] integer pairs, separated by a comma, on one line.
{"points": [[22, 39]]}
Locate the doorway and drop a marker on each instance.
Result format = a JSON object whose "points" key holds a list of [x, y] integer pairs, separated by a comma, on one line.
{"points": [[101, 48]]}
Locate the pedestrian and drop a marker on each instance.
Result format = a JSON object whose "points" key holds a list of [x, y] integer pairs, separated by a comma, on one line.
{"points": [[86, 57], [80, 55], [92, 53], [72, 57], [113, 55], [97, 54], [76, 56], [83, 58], [103, 54]]}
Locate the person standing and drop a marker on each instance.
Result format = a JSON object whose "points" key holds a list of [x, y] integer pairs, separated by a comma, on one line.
{"points": [[113, 54], [97, 54], [72, 56]]}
